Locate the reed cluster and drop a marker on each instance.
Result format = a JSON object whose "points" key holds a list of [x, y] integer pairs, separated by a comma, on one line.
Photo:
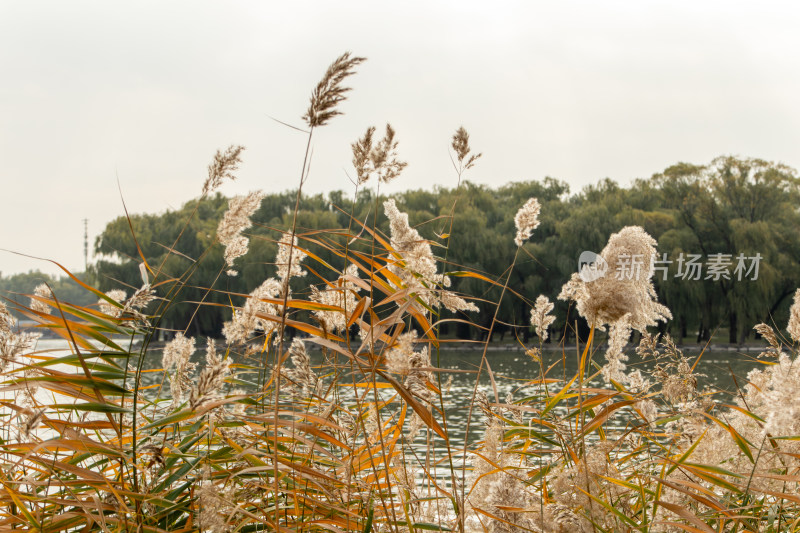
{"points": [[325, 406]]}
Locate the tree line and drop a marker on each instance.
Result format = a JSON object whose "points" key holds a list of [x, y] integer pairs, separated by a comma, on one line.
{"points": [[14, 289], [727, 232]]}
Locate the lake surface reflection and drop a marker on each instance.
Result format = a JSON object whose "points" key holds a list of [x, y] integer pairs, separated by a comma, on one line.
{"points": [[512, 375]]}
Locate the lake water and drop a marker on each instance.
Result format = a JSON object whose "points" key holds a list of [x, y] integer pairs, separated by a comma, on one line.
{"points": [[513, 371]]}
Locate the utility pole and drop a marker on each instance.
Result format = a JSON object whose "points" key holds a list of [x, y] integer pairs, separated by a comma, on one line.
{"points": [[85, 244]]}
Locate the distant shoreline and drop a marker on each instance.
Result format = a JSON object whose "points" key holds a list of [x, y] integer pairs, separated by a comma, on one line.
{"points": [[462, 345]]}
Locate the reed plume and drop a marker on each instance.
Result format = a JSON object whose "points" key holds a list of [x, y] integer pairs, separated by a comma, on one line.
{"points": [[235, 220], [288, 266], [769, 335], [13, 344], [247, 319], [384, 157], [418, 268], [42, 291], [342, 294], [526, 220], [541, 317], [140, 299], [462, 149], [223, 166], [794, 318], [362, 161], [302, 375], [119, 296], [380, 160], [177, 354], [624, 298], [329, 92], [211, 380], [608, 299]]}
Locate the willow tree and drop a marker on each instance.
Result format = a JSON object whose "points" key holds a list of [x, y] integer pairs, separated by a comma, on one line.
{"points": [[744, 210]]}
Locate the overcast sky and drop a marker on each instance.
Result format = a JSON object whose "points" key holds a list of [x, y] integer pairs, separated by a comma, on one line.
{"points": [[98, 97]]}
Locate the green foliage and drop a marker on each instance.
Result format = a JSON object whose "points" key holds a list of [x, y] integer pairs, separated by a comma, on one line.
{"points": [[16, 286], [730, 206]]}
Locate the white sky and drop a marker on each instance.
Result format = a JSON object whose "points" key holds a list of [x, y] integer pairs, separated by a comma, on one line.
{"points": [[145, 92]]}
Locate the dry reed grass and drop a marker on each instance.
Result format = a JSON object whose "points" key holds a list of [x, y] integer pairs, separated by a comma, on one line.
{"points": [[357, 438]]}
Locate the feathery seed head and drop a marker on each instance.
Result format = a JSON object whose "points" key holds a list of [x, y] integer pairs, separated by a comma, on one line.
{"points": [[398, 357], [534, 353], [379, 159], [461, 148], [211, 379], [649, 410], [285, 247], [384, 157], [139, 300], [637, 383], [361, 156], [118, 295], [624, 303], [246, 320], [177, 352], [37, 305], [235, 220], [302, 375], [540, 317], [406, 240], [223, 166], [648, 346], [794, 318], [609, 298], [526, 220], [403, 360], [769, 334], [419, 269], [618, 335], [6, 321], [342, 294], [211, 352], [212, 509], [329, 92], [13, 344]]}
